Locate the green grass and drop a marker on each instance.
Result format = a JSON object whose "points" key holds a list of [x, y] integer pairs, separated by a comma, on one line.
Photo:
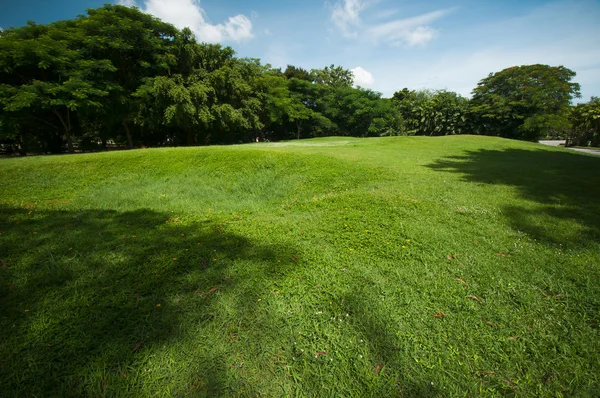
{"points": [[410, 266]]}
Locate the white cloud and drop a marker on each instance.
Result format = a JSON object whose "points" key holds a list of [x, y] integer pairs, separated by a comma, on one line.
{"points": [[544, 36], [362, 77], [346, 16], [409, 31], [187, 13]]}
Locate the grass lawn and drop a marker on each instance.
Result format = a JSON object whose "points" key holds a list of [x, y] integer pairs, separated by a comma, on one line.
{"points": [[409, 266]]}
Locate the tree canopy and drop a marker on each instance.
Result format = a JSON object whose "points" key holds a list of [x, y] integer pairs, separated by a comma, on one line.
{"points": [[119, 76], [524, 101]]}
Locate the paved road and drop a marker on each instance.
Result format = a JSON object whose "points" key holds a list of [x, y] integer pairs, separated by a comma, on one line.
{"points": [[562, 142]]}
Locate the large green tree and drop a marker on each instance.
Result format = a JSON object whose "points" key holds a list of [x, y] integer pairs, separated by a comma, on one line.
{"points": [[43, 73], [524, 102]]}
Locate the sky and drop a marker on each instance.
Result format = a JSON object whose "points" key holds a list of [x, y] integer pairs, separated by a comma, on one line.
{"points": [[388, 44]]}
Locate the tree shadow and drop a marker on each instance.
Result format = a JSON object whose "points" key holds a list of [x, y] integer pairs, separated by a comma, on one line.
{"points": [[88, 296], [565, 188]]}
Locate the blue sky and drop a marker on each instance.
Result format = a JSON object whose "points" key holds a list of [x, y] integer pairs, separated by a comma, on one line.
{"points": [[390, 44]]}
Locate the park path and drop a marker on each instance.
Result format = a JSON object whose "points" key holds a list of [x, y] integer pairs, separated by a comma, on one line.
{"points": [[562, 142]]}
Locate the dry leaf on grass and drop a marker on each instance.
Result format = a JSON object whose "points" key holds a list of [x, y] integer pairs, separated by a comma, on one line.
{"points": [[461, 281], [439, 315], [138, 345], [476, 299], [377, 369], [489, 323]]}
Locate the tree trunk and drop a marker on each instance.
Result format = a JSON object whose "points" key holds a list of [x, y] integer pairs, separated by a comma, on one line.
{"points": [[299, 127], [190, 138], [128, 134], [67, 126]]}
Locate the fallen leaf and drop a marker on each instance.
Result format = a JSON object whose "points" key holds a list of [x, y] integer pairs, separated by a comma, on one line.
{"points": [[475, 298], [475, 243], [451, 256], [3, 264], [439, 315], [559, 295], [461, 281], [500, 254], [377, 369], [488, 373], [319, 353], [138, 345], [548, 378], [11, 287], [513, 338], [212, 289], [489, 323]]}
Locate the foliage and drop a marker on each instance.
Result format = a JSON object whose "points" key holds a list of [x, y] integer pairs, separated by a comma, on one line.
{"points": [[585, 122], [432, 112], [524, 102], [122, 76], [333, 76]]}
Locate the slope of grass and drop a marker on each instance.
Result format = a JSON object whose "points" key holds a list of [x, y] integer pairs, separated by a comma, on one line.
{"points": [[410, 266]]}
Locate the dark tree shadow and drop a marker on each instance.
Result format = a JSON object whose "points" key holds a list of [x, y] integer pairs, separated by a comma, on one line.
{"points": [[88, 290], [564, 186]]}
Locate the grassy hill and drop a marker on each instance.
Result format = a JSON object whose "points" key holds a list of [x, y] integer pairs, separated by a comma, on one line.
{"points": [[405, 266]]}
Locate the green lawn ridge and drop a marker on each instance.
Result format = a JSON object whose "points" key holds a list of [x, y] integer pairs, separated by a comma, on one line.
{"points": [[405, 266]]}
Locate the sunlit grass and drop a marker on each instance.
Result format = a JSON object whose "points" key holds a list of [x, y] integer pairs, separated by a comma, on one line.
{"points": [[378, 267]]}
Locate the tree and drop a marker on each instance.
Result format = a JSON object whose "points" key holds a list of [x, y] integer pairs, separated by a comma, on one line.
{"points": [[524, 102], [428, 112], [585, 121], [292, 72], [43, 74], [139, 46], [361, 112], [333, 76]]}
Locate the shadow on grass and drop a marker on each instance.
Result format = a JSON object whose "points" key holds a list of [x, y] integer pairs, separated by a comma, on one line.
{"points": [[565, 187], [87, 298]]}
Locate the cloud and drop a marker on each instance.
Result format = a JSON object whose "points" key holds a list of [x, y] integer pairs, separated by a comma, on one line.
{"points": [[346, 16], [414, 31], [408, 31], [544, 35], [187, 13], [362, 77]]}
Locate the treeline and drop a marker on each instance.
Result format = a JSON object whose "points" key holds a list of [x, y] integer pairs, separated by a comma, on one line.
{"points": [[119, 76]]}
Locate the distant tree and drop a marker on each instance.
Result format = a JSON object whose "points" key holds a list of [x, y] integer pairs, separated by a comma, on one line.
{"points": [[428, 112], [585, 124], [361, 112], [524, 102], [333, 76], [292, 72]]}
